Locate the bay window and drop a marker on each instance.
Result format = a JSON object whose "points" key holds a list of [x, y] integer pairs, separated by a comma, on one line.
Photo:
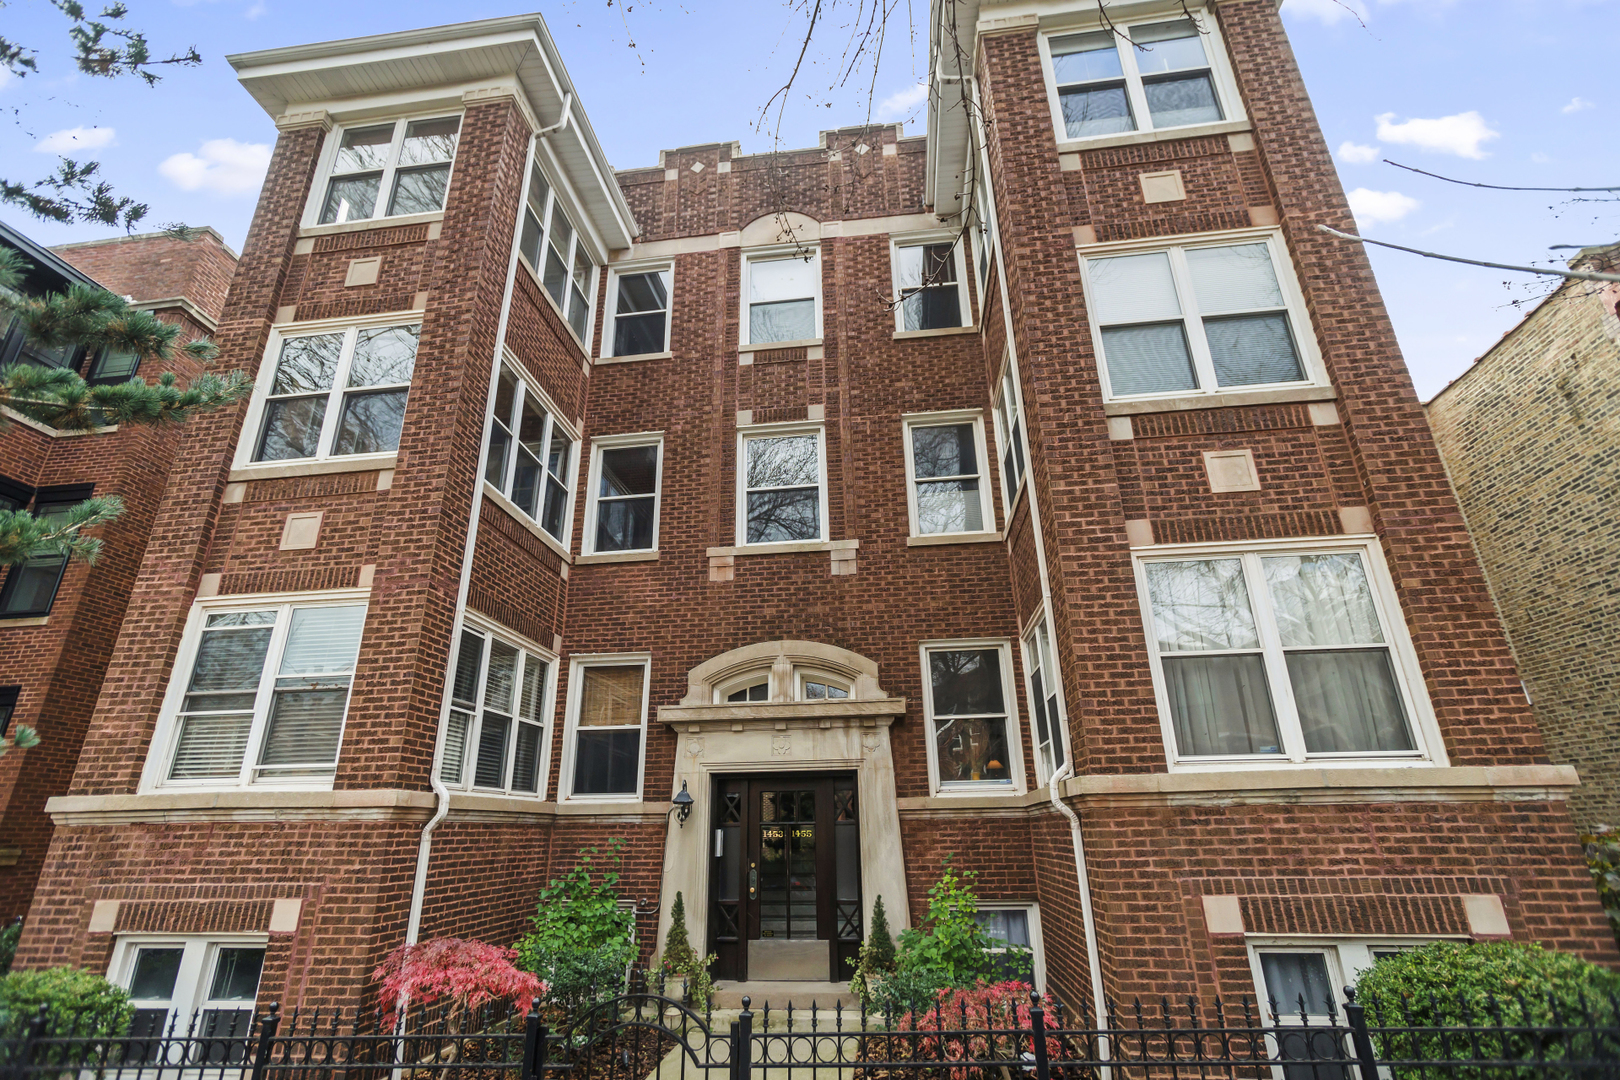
{"points": [[30, 586], [402, 165], [495, 732], [531, 455], [1045, 708], [557, 254], [1010, 432], [607, 719], [781, 297], [966, 704], [336, 394]]}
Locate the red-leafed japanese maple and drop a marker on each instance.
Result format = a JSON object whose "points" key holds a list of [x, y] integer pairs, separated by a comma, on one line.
{"points": [[469, 973], [987, 1022]]}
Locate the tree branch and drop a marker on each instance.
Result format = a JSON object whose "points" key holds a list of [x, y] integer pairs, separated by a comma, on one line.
{"points": [[1493, 187], [1578, 275]]}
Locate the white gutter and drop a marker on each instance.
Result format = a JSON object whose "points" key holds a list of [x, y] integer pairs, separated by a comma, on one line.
{"points": [[424, 847], [567, 112], [1087, 919]]}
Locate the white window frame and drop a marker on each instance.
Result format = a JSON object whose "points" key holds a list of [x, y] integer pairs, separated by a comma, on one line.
{"points": [[531, 385], [385, 184], [490, 629], [201, 953], [963, 299], [1299, 318], [570, 750], [542, 158], [253, 423], [166, 739], [1347, 957], [593, 487], [743, 682], [759, 431], [1016, 785], [774, 254], [610, 309], [1430, 746], [1011, 487], [1053, 687], [814, 674], [1032, 911], [987, 509], [1220, 67]]}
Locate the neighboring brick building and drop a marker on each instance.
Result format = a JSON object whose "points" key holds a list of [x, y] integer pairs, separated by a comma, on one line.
{"points": [[59, 619], [1130, 498], [1529, 438]]}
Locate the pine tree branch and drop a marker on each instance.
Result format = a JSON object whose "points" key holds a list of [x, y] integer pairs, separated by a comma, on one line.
{"points": [[24, 536]]}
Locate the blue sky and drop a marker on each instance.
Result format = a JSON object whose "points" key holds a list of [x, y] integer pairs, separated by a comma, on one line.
{"points": [[1498, 91]]}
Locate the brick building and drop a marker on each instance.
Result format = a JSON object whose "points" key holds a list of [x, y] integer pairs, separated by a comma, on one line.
{"points": [[1044, 491], [59, 619], [1527, 435]]}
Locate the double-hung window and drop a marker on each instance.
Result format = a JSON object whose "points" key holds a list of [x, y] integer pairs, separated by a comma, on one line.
{"points": [[929, 285], [782, 295], [182, 985], [964, 695], [1279, 654], [945, 458], [1144, 77], [641, 306], [499, 702], [266, 689], [1045, 705], [984, 237], [1015, 930], [384, 170], [531, 455], [8, 707], [1198, 319], [607, 718], [1010, 432], [30, 586], [623, 511], [557, 254], [336, 394], [782, 487]]}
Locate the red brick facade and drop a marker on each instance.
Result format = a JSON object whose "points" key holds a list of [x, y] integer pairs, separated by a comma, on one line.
{"points": [[1321, 851]]}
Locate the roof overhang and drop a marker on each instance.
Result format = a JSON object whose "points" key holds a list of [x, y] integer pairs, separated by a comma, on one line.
{"points": [[416, 63]]}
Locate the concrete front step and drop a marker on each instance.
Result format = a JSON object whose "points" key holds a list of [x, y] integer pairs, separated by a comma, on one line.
{"points": [[824, 995]]}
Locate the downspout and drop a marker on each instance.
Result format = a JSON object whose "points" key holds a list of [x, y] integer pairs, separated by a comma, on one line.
{"points": [[424, 847], [567, 114], [1087, 919]]}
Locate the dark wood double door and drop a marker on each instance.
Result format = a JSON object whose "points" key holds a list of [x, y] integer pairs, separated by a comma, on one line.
{"points": [[785, 882]]}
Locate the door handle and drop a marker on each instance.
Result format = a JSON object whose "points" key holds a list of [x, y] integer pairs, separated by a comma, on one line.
{"points": [[753, 880]]}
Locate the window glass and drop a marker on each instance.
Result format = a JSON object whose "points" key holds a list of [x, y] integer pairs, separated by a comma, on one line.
{"points": [[1045, 715], [641, 313], [969, 715], [1012, 957], [369, 370], [759, 691], [417, 177], [781, 299], [112, 365], [463, 704], [1012, 437], [534, 470], [627, 498], [8, 707], [1298, 982], [507, 733], [819, 689], [607, 755], [31, 585], [783, 482], [1187, 96], [945, 460], [930, 296], [1091, 85], [151, 988]]}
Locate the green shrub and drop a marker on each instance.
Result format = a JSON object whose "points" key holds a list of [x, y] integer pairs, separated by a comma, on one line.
{"points": [[582, 940], [8, 945], [908, 990], [950, 940], [1602, 848], [680, 960], [79, 1003], [876, 959]]}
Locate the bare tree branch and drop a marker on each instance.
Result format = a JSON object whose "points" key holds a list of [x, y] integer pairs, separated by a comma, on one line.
{"points": [[1579, 275], [1493, 187]]}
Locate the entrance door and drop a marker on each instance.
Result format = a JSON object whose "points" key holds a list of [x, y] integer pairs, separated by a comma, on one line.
{"points": [[786, 883]]}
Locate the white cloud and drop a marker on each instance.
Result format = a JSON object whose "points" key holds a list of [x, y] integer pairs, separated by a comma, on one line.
{"points": [[74, 139], [5, 77], [903, 102], [1576, 104], [1356, 154], [255, 11], [224, 166], [1378, 207], [1539, 158], [1460, 134], [1328, 11]]}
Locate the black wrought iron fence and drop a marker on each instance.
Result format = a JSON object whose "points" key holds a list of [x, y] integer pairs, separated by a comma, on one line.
{"points": [[646, 1035]]}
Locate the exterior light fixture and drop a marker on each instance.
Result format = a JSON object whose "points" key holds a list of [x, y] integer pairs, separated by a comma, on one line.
{"points": [[683, 805]]}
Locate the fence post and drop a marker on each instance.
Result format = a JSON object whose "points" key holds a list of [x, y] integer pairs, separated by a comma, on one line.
{"points": [[1037, 1027], [533, 1050], [1357, 1017], [36, 1031], [268, 1025], [742, 1043]]}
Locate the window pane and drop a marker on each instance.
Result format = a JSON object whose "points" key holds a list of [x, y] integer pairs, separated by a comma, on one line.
{"points": [[562, 230], [31, 586], [534, 681], [1201, 604], [934, 308], [322, 640], [632, 470], [1221, 705], [419, 191], [370, 423], [965, 681], [211, 746], [1235, 278], [1168, 46], [428, 141], [351, 199], [229, 660], [783, 515], [794, 320], [1322, 600], [636, 334], [1252, 349], [1133, 288], [757, 692], [607, 762], [1085, 57], [1348, 701], [502, 679], [1148, 359], [112, 365], [307, 364], [789, 461], [582, 268], [455, 746], [500, 439], [1176, 101], [971, 749], [579, 313], [491, 768], [292, 428], [611, 696], [236, 975], [154, 975], [464, 688], [529, 239], [385, 356], [557, 458], [555, 278], [945, 450], [539, 190], [1103, 110], [949, 506], [792, 278], [642, 292], [306, 724], [1298, 981], [624, 525], [1006, 927], [526, 762], [364, 148]]}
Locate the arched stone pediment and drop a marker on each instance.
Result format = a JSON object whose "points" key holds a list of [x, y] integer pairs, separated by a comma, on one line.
{"points": [[787, 227], [781, 658]]}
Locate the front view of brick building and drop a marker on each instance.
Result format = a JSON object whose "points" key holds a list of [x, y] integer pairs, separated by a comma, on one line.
{"points": [[1044, 492]]}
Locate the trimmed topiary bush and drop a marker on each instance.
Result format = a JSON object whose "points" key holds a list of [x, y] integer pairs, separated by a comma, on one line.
{"points": [[80, 1003]]}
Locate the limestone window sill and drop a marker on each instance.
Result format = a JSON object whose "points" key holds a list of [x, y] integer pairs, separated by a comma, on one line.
{"points": [[36, 620], [785, 548], [46, 429], [803, 343], [616, 557], [494, 495], [1137, 138], [943, 331], [936, 539], [637, 357], [1282, 396], [281, 470], [372, 223]]}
